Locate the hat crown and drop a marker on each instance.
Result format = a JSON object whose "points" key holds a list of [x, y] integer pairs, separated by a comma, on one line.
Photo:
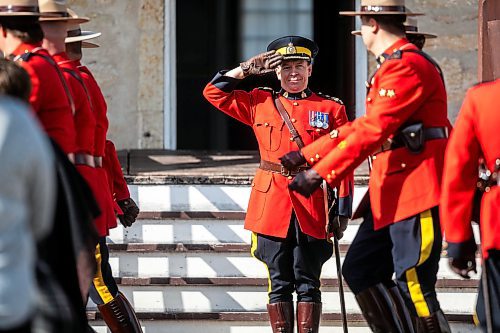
{"points": [[53, 6], [294, 47], [382, 3], [411, 23]]}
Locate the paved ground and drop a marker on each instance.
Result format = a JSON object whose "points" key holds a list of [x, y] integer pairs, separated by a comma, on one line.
{"points": [[182, 167]]}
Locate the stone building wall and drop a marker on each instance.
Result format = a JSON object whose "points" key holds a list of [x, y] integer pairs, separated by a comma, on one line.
{"points": [[455, 49], [128, 66]]}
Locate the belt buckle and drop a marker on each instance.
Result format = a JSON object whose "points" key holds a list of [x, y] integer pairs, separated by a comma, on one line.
{"points": [[285, 172]]}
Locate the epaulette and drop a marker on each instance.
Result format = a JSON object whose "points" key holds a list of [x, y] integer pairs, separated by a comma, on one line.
{"points": [[268, 89], [332, 98]]}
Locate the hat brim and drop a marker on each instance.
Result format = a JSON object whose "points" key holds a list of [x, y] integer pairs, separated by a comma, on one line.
{"points": [[73, 20], [86, 35], [425, 34], [90, 45], [418, 33], [19, 14], [379, 13]]}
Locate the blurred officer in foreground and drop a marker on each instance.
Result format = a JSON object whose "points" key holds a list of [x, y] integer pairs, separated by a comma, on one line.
{"points": [[288, 229], [115, 309], [405, 131], [474, 137], [27, 197]]}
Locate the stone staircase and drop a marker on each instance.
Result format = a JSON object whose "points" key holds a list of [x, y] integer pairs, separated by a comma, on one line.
{"points": [[186, 266], [191, 268]]}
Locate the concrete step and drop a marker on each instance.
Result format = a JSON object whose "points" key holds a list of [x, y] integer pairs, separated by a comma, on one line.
{"points": [[199, 227], [208, 260], [188, 197], [249, 298], [250, 322]]}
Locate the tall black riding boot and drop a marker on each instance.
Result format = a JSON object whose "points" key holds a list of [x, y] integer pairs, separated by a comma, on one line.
{"points": [[380, 311], [402, 309], [281, 317], [435, 323]]}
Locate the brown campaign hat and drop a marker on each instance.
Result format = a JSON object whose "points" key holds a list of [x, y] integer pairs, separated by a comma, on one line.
{"points": [[76, 34], [19, 8], [381, 7], [56, 10], [411, 28]]}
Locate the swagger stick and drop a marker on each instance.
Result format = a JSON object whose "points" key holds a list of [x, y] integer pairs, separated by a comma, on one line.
{"points": [[337, 257]]}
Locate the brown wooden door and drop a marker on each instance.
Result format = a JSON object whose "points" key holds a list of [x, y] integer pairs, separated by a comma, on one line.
{"points": [[489, 40]]}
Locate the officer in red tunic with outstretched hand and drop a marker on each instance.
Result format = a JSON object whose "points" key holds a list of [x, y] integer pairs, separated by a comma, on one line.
{"points": [[288, 229], [475, 138], [405, 133]]}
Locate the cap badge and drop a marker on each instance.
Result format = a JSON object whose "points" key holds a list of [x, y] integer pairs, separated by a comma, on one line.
{"points": [[291, 49]]}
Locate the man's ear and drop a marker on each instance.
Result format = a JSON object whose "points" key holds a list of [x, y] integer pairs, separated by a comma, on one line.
{"points": [[278, 72], [3, 32], [309, 69], [374, 26]]}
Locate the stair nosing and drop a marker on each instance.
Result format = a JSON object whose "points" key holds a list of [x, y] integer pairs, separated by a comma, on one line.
{"points": [[255, 316]]}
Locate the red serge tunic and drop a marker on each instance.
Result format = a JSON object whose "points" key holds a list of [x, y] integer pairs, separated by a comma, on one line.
{"points": [[406, 89], [85, 122], [475, 136], [271, 203], [48, 96], [99, 108]]}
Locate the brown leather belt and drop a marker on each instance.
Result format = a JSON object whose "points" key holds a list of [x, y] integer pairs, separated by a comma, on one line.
{"points": [[98, 161], [431, 133], [84, 159], [278, 168]]}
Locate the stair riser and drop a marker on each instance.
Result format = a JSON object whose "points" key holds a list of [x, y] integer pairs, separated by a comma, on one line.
{"points": [[198, 197], [193, 232], [248, 298], [213, 264]]}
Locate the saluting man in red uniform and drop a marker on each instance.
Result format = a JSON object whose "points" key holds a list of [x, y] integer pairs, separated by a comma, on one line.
{"points": [[21, 40], [474, 137], [288, 229], [115, 309], [405, 132]]}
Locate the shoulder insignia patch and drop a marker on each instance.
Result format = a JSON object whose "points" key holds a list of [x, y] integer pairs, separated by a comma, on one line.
{"points": [[396, 55], [332, 98]]}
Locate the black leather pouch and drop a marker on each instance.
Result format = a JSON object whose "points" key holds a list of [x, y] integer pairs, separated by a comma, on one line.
{"points": [[413, 137]]}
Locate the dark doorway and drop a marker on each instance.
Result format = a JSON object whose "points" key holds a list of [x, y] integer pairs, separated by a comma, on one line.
{"points": [[333, 72], [207, 41]]}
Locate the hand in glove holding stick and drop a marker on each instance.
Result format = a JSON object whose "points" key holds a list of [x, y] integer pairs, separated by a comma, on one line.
{"points": [[130, 212], [262, 63], [337, 225]]}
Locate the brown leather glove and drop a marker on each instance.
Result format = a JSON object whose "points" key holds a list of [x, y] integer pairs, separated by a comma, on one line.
{"points": [[306, 182], [130, 212], [262, 63], [292, 159]]}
